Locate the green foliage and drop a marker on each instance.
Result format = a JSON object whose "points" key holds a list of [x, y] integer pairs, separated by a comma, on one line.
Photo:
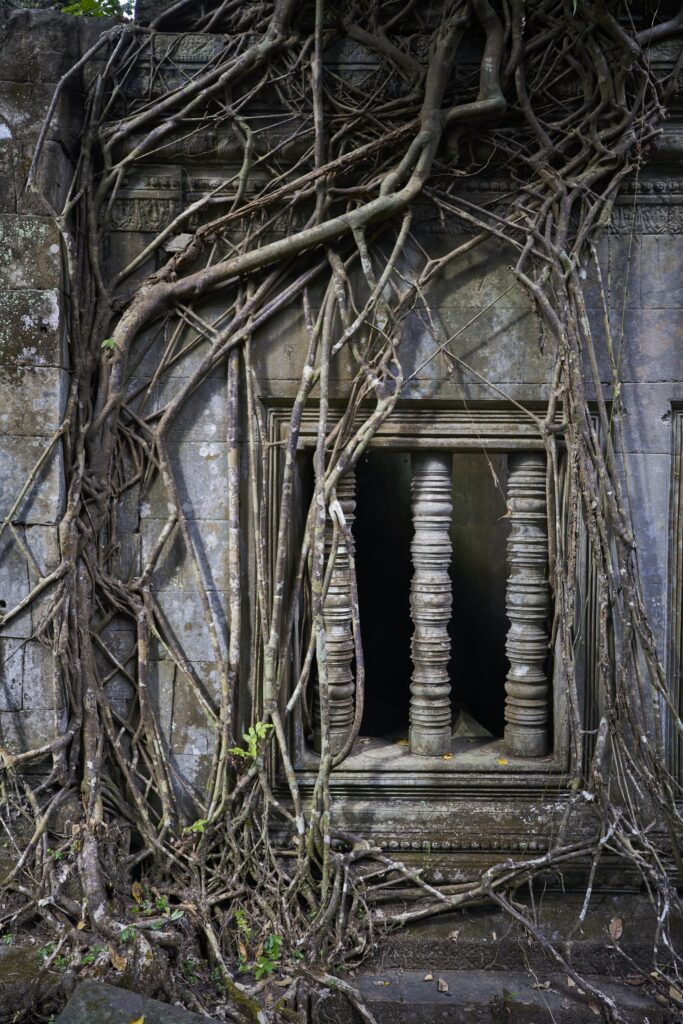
{"points": [[127, 934], [269, 958], [252, 736], [242, 922], [189, 970], [197, 827], [100, 8], [91, 956], [109, 344]]}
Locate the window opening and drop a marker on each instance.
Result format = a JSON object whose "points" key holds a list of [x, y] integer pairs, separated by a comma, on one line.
{"points": [[454, 601]]}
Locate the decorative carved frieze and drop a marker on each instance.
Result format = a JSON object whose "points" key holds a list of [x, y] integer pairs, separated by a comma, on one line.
{"points": [[527, 600], [430, 603], [338, 628]]}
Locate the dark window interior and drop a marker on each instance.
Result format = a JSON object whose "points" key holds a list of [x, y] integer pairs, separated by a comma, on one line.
{"points": [[383, 533]]}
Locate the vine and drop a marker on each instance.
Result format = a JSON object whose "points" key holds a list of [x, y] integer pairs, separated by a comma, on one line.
{"points": [[562, 100]]}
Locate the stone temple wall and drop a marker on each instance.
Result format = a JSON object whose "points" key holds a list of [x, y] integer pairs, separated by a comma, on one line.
{"points": [[35, 51], [496, 341]]}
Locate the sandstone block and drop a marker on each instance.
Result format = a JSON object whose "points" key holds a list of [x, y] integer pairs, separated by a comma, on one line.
{"points": [[44, 500], [37, 46], [29, 253], [30, 328], [33, 400]]}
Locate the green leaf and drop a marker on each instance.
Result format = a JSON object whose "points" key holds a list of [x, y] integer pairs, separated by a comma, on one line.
{"points": [[99, 8], [252, 736], [109, 344], [197, 826]]}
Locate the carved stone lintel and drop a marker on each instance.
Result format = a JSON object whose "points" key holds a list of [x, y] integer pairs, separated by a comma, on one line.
{"points": [[430, 604], [338, 629], [526, 704]]}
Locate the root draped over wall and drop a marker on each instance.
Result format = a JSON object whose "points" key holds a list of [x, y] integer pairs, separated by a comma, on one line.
{"points": [[562, 100]]}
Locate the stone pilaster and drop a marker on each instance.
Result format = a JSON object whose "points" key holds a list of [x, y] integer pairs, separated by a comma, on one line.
{"points": [[527, 601], [430, 604], [338, 628]]}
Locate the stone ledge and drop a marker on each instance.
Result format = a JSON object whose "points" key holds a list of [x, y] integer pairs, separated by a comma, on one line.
{"points": [[487, 997]]}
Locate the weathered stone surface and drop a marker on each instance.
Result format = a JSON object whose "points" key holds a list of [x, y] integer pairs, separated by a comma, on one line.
{"points": [[94, 1001], [146, 357], [33, 400], [29, 253], [30, 328], [184, 722], [8, 196], [24, 730], [485, 997], [203, 417], [24, 108], [18, 572], [36, 46], [21, 968], [44, 501], [38, 692], [54, 175], [484, 938], [646, 417], [11, 674], [175, 570], [183, 613], [199, 469]]}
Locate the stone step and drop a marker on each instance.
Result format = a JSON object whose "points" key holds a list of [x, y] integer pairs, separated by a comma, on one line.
{"points": [[485, 938], [487, 997]]}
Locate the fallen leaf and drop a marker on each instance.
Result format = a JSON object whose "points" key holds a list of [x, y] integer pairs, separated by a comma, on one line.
{"points": [[541, 984], [138, 1020], [570, 982], [595, 1008], [448, 757], [118, 962], [454, 935], [136, 892], [634, 979], [428, 976], [616, 928], [403, 743], [442, 985], [80, 926], [242, 950], [494, 936], [501, 760], [675, 994]]}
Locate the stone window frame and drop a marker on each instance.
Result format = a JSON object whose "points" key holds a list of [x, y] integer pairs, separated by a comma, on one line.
{"points": [[458, 427], [675, 574]]}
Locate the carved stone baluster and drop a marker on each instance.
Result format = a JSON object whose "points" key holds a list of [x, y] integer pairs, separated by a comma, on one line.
{"points": [[338, 629], [430, 604], [526, 704]]}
